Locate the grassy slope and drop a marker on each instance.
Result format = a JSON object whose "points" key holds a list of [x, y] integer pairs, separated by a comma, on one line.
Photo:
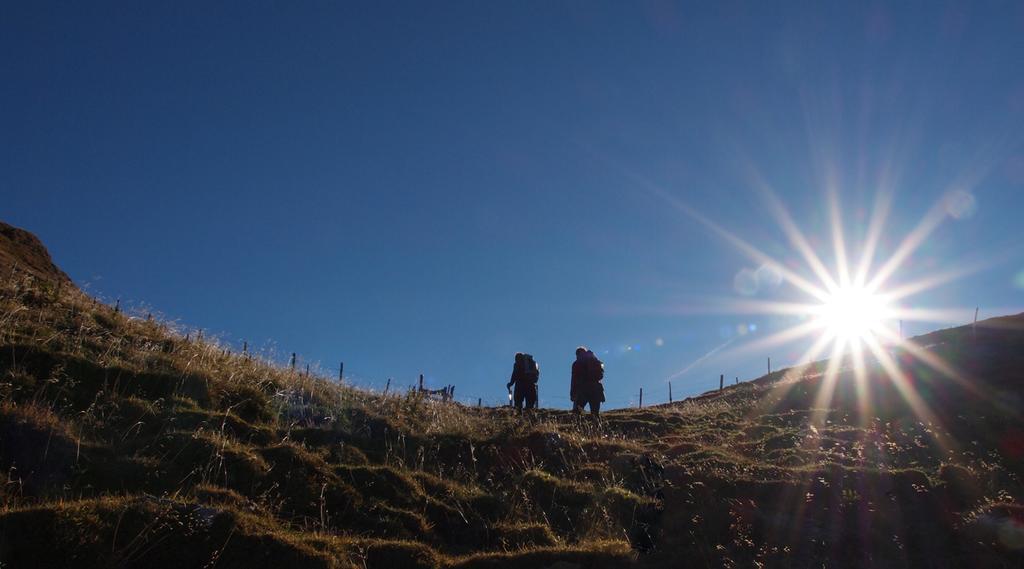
{"points": [[126, 445]]}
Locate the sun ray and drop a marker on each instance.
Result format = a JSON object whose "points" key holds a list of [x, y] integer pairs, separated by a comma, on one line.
{"points": [[936, 363], [849, 307], [935, 280], [905, 388], [880, 213], [789, 227], [755, 253], [701, 359], [780, 338], [720, 305], [746, 248], [860, 378], [838, 240], [887, 180], [781, 388], [900, 380], [939, 315], [931, 220], [827, 389], [771, 307]]}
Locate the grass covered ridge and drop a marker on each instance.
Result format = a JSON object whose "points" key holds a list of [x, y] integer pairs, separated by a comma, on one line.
{"points": [[126, 444]]}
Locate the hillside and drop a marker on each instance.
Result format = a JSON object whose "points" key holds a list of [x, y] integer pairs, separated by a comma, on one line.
{"points": [[129, 444], [23, 253]]}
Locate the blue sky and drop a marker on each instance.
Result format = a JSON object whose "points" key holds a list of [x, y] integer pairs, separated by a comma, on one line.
{"points": [[432, 186]]}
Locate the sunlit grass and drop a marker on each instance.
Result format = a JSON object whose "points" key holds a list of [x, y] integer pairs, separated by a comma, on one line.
{"points": [[182, 430]]}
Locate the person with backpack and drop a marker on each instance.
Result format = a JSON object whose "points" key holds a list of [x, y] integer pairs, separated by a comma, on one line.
{"points": [[525, 374], [585, 387]]}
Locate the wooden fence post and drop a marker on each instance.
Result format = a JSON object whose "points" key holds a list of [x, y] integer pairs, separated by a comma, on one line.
{"points": [[245, 347], [293, 361], [421, 382], [479, 401], [387, 387], [341, 372], [307, 370], [721, 382], [769, 366], [670, 392], [641, 397], [451, 393]]}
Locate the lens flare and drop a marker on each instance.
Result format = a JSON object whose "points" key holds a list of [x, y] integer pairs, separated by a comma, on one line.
{"points": [[846, 304], [851, 311]]}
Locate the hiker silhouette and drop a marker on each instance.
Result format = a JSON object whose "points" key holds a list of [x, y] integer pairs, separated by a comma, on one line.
{"points": [[525, 374], [586, 387]]}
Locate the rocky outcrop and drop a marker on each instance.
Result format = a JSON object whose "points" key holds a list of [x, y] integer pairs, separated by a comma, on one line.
{"points": [[21, 251]]}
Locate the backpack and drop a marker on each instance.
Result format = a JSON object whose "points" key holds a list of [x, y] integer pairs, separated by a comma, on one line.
{"points": [[595, 368], [531, 371]]}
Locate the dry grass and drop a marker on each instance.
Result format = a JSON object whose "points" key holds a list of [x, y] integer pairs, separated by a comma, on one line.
{"points": [[129, 441]]}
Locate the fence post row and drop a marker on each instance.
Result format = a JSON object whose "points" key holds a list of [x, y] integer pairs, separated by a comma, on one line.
{"points": [[447, 393]]}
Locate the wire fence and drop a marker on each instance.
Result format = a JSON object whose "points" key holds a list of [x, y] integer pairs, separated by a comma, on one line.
{"points": [[550, 395], [297, 364]]}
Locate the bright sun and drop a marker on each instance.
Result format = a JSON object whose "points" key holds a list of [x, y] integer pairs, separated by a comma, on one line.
{"points": [[853, 314]]}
